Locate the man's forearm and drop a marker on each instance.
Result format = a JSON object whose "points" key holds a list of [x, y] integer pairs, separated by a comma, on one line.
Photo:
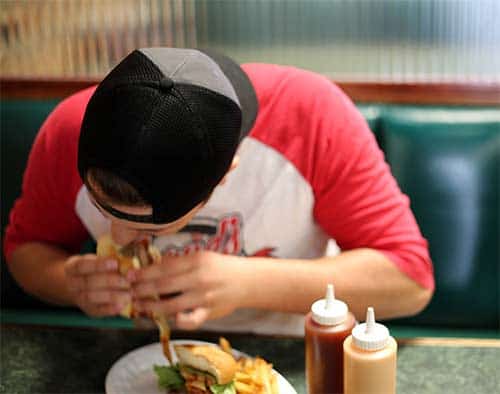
{"points": [[362, 278], [39, 270]]}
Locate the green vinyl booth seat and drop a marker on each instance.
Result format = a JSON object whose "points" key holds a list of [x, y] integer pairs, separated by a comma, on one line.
{"points": [[446, 159]]}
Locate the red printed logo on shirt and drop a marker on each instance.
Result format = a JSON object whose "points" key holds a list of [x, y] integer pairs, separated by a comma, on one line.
{"points": [[223, 235]]}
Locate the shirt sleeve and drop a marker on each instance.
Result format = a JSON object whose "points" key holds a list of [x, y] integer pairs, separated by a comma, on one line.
{"points": [[45, 210], [358, 201]]}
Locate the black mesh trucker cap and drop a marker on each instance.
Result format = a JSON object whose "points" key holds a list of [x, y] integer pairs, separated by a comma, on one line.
{"points": [[168, 121]]}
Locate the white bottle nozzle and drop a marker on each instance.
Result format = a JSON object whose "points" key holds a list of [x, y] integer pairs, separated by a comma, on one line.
{"points": [[329, 297], [370, 335], [370, 320], [329, 311]]}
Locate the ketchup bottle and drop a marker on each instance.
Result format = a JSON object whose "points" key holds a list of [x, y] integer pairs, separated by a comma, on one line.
{"points": [[327, 325]]}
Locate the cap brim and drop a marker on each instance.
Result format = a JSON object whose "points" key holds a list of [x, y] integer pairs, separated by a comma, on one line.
{"points": [[242, 86]]}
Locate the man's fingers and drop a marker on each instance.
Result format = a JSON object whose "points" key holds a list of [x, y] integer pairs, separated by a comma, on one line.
{"points": [[176, 304], [98, 281], [191, 320], [169, 266], [98, 287], [146, 274], [164, 286], [87, 264], [118, 298]]}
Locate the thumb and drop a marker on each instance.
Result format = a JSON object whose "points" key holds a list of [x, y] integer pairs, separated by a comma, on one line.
{"points": [[191, 320]]}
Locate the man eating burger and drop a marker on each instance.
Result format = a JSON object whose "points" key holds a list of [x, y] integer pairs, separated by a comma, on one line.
{"points": [[239, 175]]}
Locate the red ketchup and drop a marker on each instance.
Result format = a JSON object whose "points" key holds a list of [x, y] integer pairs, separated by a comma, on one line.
{"points": [[327, 325]]}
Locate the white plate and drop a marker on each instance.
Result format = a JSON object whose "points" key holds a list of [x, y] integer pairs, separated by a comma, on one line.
{"points": [[133, 373]]}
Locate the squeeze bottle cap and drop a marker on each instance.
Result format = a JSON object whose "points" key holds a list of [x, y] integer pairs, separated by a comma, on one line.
{"points": [[329, 311], [370, 335]]}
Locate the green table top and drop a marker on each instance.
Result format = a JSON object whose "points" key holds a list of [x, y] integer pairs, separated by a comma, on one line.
{"points": [[43, 359], [68, 317]]}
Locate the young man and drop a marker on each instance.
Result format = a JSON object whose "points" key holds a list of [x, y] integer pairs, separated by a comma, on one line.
{"points": [[240, 175]]}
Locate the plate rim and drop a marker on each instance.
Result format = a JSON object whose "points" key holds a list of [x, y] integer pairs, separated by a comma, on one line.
{"points": [[236, 352]]}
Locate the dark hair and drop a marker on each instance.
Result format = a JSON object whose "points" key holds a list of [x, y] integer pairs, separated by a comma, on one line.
{"points": [[115, 189]]}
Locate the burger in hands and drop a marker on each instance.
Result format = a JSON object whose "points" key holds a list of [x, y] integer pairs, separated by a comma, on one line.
{"points": [[136, 255]]}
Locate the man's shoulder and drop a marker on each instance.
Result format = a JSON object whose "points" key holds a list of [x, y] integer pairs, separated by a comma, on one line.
{"points": [[80, 97], [59, 134], [67, 116], [73, 107], [273, 69], [294, 86], [303, 115]]}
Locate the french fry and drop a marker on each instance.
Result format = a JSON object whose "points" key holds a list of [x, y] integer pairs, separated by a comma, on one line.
{"points": [[256, 376], [225, 345], [243, 377], [243, 388], [274, 385]]}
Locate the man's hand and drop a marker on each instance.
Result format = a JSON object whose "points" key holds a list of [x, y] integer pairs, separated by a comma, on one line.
{"points": [[193, 288], [96, 285]]}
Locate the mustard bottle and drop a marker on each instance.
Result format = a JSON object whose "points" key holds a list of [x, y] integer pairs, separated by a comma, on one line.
{"points": [[370, 355]]}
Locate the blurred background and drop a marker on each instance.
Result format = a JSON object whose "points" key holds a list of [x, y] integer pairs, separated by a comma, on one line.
{"points": [[347, 40]]}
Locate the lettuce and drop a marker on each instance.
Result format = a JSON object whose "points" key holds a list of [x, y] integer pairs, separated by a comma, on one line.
{"points": [[169, 377], [223, 388]]}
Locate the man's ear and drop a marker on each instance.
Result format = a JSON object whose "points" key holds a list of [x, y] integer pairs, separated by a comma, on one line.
{"points": [[234, 164]]}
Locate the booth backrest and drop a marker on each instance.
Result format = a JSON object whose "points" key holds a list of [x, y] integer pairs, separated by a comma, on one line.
{"points": [[446, 159], [20, 121]]}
